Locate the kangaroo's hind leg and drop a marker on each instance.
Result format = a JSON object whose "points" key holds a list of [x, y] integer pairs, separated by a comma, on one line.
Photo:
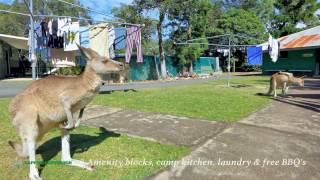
{"points": [[284, 89], [274, 88], [28, 128]]}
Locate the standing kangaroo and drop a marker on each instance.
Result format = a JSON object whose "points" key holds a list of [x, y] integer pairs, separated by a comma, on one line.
{"points": [[51, 102], [283, 80]]}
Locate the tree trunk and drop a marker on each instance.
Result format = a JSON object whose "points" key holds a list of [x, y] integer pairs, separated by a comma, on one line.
{"points": [[160, 43], [191, 67], [191, 60]]}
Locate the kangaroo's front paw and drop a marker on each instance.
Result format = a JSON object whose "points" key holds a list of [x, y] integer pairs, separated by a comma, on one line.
{"points": [[68, 126], [77, 124]]}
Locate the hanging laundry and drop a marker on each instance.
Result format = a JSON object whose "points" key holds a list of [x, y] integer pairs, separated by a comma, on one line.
{"points": [[224, 52], [98, 35], [274, 48], [35, 40], [61, 58], [62, 24], [53, 38], [84, 36], [111, 39], [133, 38], [254, 55], [71, 36], [43, 54], [44, 28], [119, 42], [44, 33]]}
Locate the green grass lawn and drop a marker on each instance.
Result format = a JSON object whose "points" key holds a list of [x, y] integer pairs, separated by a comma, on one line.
{"points": [[212, 100], [88, 144]]}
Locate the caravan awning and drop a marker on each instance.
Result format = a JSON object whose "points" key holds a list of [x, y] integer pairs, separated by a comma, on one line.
{"points": [[15, 41]]}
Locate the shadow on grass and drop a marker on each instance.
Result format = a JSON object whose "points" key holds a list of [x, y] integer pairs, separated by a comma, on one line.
{"points": [[264, 94], [79, 143], [248, 74], [241, 86], [110, 92]]}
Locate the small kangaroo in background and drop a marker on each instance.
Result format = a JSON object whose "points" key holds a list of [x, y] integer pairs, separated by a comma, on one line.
{"points": [[283, 80], [51, 102]]}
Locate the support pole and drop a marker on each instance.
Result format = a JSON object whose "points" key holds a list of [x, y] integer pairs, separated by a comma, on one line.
{"points": [[229, 63], [157, 69], [32, 54]]}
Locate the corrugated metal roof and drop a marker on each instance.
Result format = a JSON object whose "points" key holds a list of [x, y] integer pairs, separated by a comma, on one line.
{"points": [[302, 39]]}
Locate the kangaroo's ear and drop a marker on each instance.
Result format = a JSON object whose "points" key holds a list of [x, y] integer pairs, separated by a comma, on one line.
{"points": [[89, 53], [303, 76]]}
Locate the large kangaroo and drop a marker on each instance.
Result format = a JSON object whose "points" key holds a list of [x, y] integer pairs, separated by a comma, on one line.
{"points": [[283, 80], [51, 102]]}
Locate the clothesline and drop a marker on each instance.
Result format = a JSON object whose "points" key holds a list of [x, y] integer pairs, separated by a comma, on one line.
{"points": [[224, 35], [13, 12], [218, 45], [118, 40], [72, 17], [54, 41]]}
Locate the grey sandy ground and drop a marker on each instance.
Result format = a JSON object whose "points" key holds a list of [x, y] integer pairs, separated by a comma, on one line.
{"points": [[286, 130]]}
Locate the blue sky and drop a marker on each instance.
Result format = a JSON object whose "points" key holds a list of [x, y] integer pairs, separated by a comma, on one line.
{"points": [[98, 5]]}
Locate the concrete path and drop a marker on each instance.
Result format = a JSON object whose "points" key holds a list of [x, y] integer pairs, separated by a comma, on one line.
{"points": [[156, 127], [281, 141]]}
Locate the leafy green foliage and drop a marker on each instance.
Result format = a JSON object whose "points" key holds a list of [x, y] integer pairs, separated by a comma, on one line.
{"points": [[288, 14], [261, 8], [189, 23], [241, 22]]}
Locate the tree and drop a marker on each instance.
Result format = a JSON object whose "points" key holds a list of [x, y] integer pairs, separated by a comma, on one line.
{"points": [[241, 22], [261, 8], [160, 6], [288, 14], [135, 13], [245, 27], [12, 24], [189, 23]]}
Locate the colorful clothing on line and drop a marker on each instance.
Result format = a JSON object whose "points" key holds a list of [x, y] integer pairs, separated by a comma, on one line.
{"points": [[254, 55], [71, 36], [133, 38]]}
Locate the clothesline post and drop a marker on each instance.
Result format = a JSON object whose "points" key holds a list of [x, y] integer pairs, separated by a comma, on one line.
{"points": [[229, 63], [32, 51]]}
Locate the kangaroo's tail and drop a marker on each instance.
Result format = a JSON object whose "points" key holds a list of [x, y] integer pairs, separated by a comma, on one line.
{"points": [[18, 148]]}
